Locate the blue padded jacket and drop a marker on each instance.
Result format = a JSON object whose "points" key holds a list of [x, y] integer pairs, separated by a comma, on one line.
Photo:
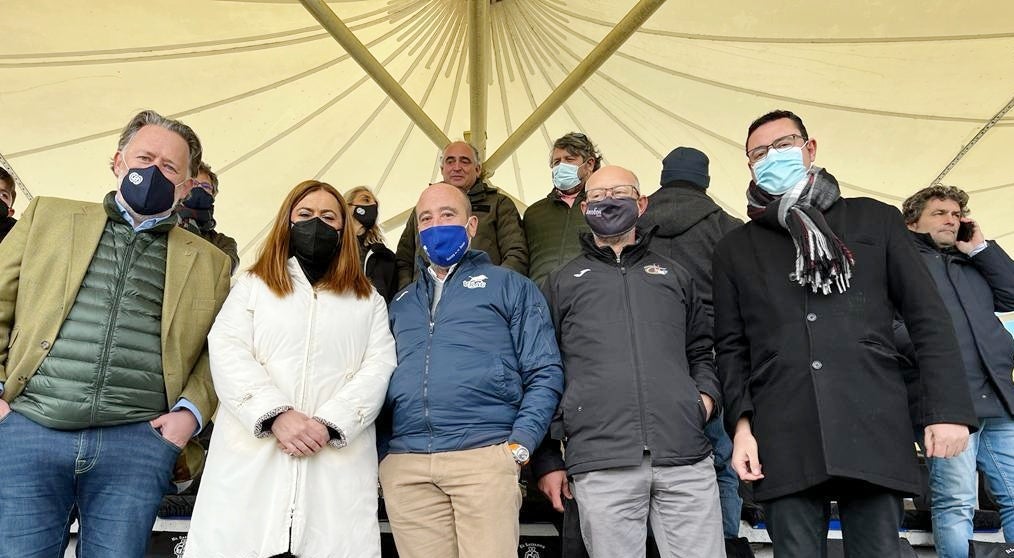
{"points": [[482, 369]]}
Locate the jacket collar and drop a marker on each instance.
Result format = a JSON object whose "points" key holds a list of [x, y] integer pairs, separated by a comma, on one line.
{"points": [[118, 214], [925, 244], [556, 196], [630, 253], [471, 260], [479, 190]]}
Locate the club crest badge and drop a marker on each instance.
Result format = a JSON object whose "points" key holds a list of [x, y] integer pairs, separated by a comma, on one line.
{"points": [[477, 282]]}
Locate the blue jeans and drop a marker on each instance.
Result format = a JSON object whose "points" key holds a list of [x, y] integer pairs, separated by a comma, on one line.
{"points": [[952, 484], [728, 480], [111, 479]]}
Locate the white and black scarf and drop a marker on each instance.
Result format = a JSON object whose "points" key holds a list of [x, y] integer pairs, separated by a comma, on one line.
{"points": [[822, 259]]}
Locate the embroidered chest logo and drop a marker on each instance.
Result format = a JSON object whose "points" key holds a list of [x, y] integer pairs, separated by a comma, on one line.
{"points": [[582, 272], [655, 269], [477, 282], [135, 178]]}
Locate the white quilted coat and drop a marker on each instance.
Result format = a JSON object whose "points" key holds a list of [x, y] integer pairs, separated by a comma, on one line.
{"points": [[327, 356]]}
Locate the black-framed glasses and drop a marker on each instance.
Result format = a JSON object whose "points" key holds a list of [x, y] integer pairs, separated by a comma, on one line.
{"points": [[784, 143], [616, 192]]}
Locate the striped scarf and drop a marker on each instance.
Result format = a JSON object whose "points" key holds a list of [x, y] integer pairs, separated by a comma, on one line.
{"points": [[822, 259]]}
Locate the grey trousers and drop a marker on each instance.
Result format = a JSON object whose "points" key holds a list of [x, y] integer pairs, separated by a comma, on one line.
{"points": [[680, 502]]}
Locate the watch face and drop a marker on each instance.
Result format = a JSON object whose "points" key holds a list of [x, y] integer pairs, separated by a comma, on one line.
{"points": [[521, 454]]}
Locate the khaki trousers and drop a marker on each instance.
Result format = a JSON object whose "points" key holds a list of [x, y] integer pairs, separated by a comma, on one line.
{"points": [[455, 504]]}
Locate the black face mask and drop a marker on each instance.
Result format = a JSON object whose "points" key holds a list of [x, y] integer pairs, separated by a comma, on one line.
{"points": [[6, 222], [199, 207], [314, 243], [366, 215], [199, 198]]}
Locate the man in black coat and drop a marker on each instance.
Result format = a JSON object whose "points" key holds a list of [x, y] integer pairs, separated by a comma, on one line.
{"points": [[805, 296], [975, 278], [688, 224]]}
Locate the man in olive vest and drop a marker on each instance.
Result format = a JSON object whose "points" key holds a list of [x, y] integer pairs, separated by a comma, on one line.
{"points": [[104, 314]]}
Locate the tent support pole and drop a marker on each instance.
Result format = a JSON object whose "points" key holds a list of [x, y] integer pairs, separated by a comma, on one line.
{"points": [[358, 51], [602, 51], [478, 44]]}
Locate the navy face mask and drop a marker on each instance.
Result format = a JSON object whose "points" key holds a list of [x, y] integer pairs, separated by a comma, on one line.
{"points": [[147, 191], [199, 206]]}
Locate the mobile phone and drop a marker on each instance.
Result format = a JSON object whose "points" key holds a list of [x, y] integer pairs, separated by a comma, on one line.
{"points": [[965, 231]]}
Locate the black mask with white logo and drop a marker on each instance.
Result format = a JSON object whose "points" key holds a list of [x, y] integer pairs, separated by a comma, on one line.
{"points": [[365, 214]]}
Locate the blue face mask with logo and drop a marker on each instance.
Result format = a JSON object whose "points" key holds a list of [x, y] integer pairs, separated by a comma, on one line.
{"points": [[444, 245], [565, 176], [147, 191], [780, 170]]}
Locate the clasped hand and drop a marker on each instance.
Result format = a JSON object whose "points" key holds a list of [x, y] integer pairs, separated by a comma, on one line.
{"points": [[299, 435]]}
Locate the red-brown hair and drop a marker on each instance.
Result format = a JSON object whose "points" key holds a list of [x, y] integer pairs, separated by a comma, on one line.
{"points": [[345, 273]]}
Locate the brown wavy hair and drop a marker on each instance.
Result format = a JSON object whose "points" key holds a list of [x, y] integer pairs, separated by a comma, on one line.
{"points": [[345, 275], [912, 208]]}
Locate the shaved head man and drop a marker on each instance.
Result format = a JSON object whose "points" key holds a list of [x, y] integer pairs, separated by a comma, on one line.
{"points": [[477, 338], [498, 230], [636, 451]]}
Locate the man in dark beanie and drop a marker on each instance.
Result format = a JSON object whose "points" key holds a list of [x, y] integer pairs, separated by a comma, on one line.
{"points": [[688, 224]]}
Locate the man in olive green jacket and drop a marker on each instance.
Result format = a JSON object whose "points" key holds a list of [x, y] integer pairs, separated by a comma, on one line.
{"points": [[104, 313], [554, 223], [499, 234]]}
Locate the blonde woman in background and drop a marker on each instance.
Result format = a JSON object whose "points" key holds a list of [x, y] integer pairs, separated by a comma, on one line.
{"points": [[377, 259]]}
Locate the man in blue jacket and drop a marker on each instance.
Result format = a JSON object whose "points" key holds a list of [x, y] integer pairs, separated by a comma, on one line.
{"points": [[975, 278], [477, 382]]}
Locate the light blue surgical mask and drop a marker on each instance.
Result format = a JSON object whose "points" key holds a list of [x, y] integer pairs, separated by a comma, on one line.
{"points": [[780, 170], [565, 176]]}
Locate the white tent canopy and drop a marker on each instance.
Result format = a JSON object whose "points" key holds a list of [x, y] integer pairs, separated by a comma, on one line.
{"points": [[898, 93]]}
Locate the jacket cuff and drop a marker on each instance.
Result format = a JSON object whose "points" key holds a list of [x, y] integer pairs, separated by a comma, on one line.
{"points": [[262, 428], [338, 440], [521, 437], [184, 403]]}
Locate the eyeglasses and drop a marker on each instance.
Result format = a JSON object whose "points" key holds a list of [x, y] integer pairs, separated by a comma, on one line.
{"points": [[616, 192], [206, 185], [784, 143]]}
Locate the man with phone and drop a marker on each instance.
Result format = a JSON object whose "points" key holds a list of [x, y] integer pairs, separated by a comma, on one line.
{"points": [[975, 278]]}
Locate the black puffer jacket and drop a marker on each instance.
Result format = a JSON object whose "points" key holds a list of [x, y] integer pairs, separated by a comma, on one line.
{"points": [[637, 353], [690, 224]]}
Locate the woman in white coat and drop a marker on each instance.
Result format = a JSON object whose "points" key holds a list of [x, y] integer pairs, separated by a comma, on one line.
{"points": [[301, 355]]}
